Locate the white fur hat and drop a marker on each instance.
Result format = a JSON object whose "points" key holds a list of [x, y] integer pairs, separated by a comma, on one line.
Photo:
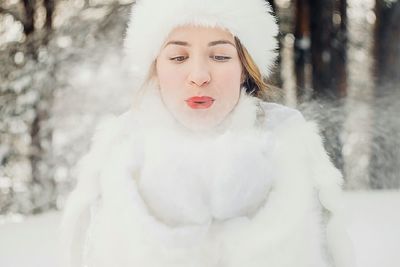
{"points": [[151, 21]]}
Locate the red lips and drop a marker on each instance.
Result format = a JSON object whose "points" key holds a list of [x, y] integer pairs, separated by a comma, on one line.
{"points": [[200, 102]]}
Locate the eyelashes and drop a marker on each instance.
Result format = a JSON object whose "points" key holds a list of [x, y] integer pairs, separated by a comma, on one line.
{"points": [[178, 58], [217, 58], [221, 58]]}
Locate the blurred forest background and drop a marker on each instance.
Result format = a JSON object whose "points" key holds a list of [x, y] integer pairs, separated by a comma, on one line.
{"points": [[59, 74]]}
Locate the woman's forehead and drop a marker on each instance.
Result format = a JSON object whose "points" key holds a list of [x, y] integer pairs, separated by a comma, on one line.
{"points": [[189, 33]]}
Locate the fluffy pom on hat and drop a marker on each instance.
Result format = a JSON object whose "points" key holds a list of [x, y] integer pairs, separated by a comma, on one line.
{"points": [[151, 21]]}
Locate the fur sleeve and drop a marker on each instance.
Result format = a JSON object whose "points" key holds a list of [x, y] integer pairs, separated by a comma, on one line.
{"points": [[76, 214], [304, 167], [328, 181]]}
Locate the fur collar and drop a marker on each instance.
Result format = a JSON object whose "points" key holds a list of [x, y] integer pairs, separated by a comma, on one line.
{"points": [[274, 234]]}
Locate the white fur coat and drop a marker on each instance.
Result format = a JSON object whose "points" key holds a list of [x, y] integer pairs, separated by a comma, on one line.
{"points": [[251, 193]]}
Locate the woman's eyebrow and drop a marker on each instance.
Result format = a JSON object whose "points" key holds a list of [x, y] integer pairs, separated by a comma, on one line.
{"points": [[220, 42], [177, 43], [213, 43]]}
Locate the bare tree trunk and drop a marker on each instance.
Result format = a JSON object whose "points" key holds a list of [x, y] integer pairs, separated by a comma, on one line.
{"points": [[339, 49], [302, 45], [387, 49], [358, 129], [321, 12], [29, 20], [49, 6], [42, 178]]}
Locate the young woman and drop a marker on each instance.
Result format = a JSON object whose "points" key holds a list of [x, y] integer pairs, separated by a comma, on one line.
{"points": [[201, 171]]}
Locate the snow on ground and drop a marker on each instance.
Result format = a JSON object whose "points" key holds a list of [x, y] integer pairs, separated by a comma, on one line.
{"points": [[373, 223], [374, 226], [31, 243]]}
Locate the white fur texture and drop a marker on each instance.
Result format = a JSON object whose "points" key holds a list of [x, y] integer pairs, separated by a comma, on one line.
{"points": [[248, 194], [152, 20]]}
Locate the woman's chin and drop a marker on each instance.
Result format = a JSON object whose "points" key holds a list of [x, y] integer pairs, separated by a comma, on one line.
{"points": [[196, 126], [200, 124], [198, 120]]}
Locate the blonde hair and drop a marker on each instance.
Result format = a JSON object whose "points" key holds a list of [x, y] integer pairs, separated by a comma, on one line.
{"points": [[254, 83]]}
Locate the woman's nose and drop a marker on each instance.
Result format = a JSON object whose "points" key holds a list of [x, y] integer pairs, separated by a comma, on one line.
{"points": [[199, 74]]}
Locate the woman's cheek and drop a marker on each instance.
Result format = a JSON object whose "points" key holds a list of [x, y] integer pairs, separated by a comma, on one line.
{"points": [[229, 78], [173, 78]]}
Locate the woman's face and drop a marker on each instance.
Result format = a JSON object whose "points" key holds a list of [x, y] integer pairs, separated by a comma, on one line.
{"points": [[199, 75]]}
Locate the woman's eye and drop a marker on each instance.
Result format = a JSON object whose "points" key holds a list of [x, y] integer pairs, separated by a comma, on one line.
{"points": [[220, 58], [178, 59]]}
